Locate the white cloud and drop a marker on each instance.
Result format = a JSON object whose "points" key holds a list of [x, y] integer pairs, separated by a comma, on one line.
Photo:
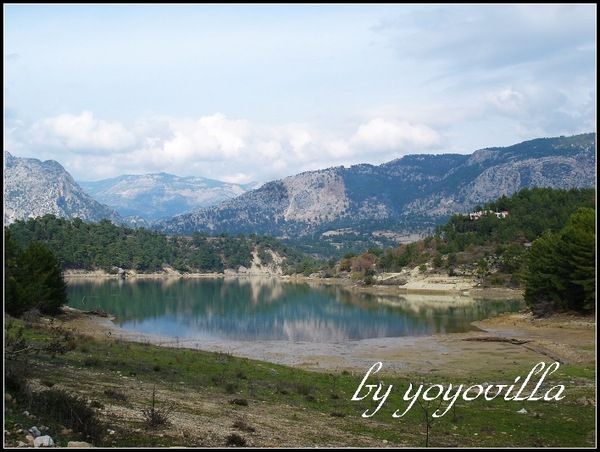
{"points": [[299, 139], [505, 100], [384, 135], [230, 136], [215, 146], [82, 133]]}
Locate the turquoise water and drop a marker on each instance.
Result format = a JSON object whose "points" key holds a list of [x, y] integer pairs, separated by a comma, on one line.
{"points": [[252, 309]]}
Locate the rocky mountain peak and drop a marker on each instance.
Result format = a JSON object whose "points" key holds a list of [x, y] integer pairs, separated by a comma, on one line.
{"points": [[33, 188]]}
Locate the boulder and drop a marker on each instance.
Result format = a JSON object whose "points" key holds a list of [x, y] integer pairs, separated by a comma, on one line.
{"points": [[43, 441]]}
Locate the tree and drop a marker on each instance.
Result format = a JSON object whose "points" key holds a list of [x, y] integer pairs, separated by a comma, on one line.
{"points": [[512, 258], [35, 280], [561, 271], [579, 246], [543, 283], [11, 259]]}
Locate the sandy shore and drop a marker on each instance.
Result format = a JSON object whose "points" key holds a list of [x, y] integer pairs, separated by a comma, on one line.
{"points": [[415, 281]]}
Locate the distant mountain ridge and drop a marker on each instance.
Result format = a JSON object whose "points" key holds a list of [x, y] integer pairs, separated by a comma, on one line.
{"points": [[33, 188], [401, 200], [154, 196], [406, 195]]}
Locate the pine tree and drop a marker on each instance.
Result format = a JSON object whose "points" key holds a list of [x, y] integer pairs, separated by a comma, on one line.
{"points": [[579, 247], [543, 285], [37, 282], [561, 273], [11, 259]]}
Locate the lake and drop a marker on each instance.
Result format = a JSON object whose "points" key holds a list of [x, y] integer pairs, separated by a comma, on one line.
{"points": [[271, 309]]}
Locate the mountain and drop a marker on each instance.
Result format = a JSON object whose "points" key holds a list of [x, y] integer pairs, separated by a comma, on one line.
{"points": [[403, 198], [33, 188], [153, 196]]}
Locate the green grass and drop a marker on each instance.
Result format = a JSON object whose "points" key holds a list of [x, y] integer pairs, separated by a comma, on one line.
{"points": [[479, 423]]}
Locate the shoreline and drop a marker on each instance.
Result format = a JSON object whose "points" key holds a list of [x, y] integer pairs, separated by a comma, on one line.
{"points": [[526, 340], [431, 284]]}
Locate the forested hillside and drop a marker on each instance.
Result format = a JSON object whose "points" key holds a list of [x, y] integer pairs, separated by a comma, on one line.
{"points": [[102, 245], [541, 240], [529, 213]]}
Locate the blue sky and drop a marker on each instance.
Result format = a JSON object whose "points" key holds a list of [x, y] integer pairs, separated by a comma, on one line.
{"points": [[259, 92]]}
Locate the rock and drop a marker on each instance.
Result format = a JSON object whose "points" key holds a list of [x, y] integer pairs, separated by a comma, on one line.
{"points": [[35, 431], [393, 281], [78, 444], [43, 441]]}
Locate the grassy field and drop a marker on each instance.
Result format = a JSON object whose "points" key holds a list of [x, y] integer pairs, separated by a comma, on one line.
{"points": [[114, 393]]}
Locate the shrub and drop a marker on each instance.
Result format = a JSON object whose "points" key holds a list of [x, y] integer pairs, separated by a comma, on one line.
{"points": [[71, 411], [91, 361], [116, 395], [241, 402], [235, 440], [241, 425], [156, 416], [231, 388]]}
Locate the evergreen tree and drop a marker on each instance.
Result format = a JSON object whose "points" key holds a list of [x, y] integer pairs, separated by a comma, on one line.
{"points": [[36, 281], [579, 247], [542, 284], [11, 258], [561, 270]]}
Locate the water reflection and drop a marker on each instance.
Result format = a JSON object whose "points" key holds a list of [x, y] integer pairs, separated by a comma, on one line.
{"points": [[250, 309]]}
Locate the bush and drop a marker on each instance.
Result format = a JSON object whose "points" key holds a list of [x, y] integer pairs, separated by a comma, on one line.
{"points": [[15, 377], [241, 425], [241, 402], [116, 395], [70, 411], [156, 416], [235, 440]]}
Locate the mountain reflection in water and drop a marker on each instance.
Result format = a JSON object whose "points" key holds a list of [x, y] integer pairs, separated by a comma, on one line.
{"points": [[259, 308]]}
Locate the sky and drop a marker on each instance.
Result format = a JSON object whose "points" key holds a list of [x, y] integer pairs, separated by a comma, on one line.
{"points": [[258, 92]]}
